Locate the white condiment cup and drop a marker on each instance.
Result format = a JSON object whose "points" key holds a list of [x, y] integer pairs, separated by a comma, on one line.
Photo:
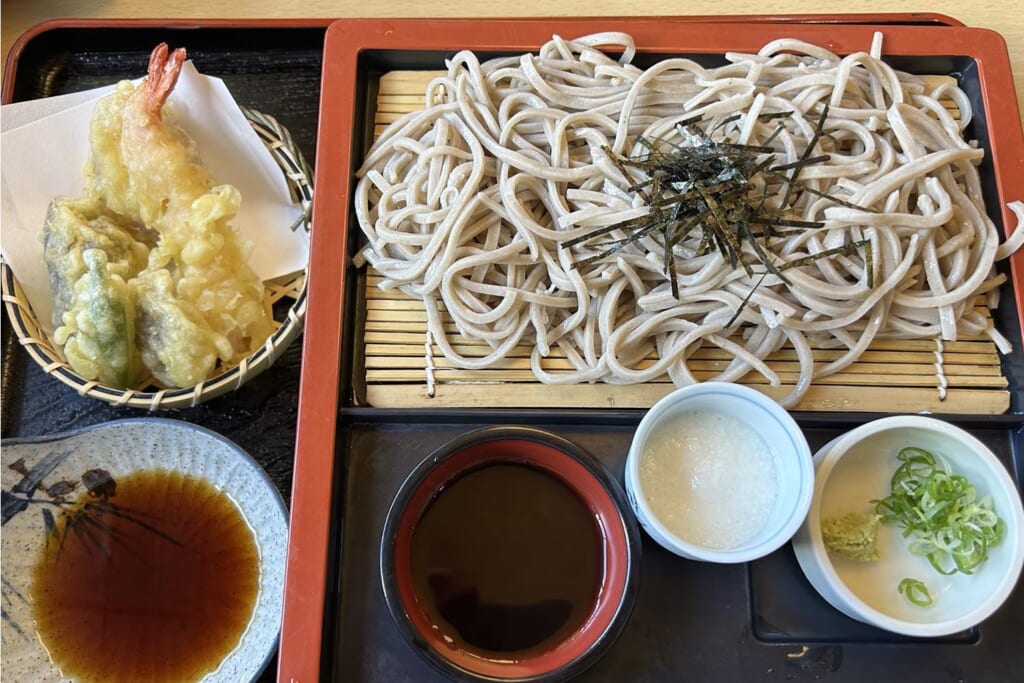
{"points": [[856, 468], [789, 451]]}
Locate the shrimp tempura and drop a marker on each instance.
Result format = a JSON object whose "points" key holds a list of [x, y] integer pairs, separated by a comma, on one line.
{"points": [[142, 165]]}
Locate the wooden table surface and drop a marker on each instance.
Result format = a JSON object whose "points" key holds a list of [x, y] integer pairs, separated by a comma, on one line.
{"points": [[19, 15]]}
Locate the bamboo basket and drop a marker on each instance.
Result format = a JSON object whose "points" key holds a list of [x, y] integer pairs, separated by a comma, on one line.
{"points": [[148, 394]]}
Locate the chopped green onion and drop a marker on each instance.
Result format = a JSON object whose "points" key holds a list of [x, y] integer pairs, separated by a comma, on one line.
{"points": [[940, 513], [915, 591]]}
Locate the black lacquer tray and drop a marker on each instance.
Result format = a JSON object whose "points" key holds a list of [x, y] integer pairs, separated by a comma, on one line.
{"points": [[274, 69]]}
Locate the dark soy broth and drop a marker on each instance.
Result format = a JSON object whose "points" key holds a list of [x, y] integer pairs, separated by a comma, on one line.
{"points": [[507, 559], [162, 598]]}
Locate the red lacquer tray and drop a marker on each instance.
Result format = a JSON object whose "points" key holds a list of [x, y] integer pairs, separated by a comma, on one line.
{"points": [[342, 114]]}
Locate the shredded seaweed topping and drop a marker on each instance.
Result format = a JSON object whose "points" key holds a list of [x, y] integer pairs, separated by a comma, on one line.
{"points": [[704, 187]]}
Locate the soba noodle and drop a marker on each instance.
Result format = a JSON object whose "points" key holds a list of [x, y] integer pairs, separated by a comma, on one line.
{"points": [[467, 201]]}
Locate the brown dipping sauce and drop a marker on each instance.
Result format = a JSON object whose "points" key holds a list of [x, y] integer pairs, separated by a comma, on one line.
{"points": [[119, 600], [507, 559]]}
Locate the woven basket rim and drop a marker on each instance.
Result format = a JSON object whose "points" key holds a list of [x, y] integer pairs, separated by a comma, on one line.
{"points": [[36, 342]]}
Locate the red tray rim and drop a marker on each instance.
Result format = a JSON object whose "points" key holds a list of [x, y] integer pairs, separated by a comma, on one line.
{"points": [[14, 53], [305, 582]]}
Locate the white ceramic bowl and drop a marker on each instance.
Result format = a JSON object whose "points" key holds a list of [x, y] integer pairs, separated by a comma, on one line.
{"points": [[856, 468], [788, 449]]}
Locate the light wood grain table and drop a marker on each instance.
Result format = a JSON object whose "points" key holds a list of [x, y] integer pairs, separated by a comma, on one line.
{"points": [[19, 15]]}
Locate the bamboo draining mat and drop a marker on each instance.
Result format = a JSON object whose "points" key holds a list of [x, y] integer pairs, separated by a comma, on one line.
{"points": [[892, 376]]}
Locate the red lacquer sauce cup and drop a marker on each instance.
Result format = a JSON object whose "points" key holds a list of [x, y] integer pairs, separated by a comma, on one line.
{"points": [[602, 506]]}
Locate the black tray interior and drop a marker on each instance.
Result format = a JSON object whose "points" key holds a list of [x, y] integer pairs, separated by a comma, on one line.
{"points": [[692, 621], [272, 69]]}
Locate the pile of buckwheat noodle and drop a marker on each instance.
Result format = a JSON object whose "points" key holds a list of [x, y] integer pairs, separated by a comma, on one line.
{"points": [[466, 201]]}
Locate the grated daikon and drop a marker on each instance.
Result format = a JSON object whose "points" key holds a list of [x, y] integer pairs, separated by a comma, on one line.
{"points": [[709, 478]]}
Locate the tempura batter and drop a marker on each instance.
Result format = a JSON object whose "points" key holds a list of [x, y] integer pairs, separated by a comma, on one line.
{"points": [[181, 303]]}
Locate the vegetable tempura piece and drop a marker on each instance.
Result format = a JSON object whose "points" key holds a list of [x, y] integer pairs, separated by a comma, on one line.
{"points": [[209, 269], [74, 225], [98, 333], [176, 344]]}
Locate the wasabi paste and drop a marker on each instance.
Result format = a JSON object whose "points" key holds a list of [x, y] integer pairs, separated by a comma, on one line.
{"points": [[853, 536]]}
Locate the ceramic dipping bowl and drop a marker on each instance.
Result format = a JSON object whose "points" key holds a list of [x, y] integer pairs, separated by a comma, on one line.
{"points": [[138, 549], [855, 469]]}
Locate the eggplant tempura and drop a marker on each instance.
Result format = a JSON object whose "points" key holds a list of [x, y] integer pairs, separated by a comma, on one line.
{"points": [[146, 270]]}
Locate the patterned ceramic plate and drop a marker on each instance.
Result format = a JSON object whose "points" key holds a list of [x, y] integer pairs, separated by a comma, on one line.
{"points": [[140, 549]]}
